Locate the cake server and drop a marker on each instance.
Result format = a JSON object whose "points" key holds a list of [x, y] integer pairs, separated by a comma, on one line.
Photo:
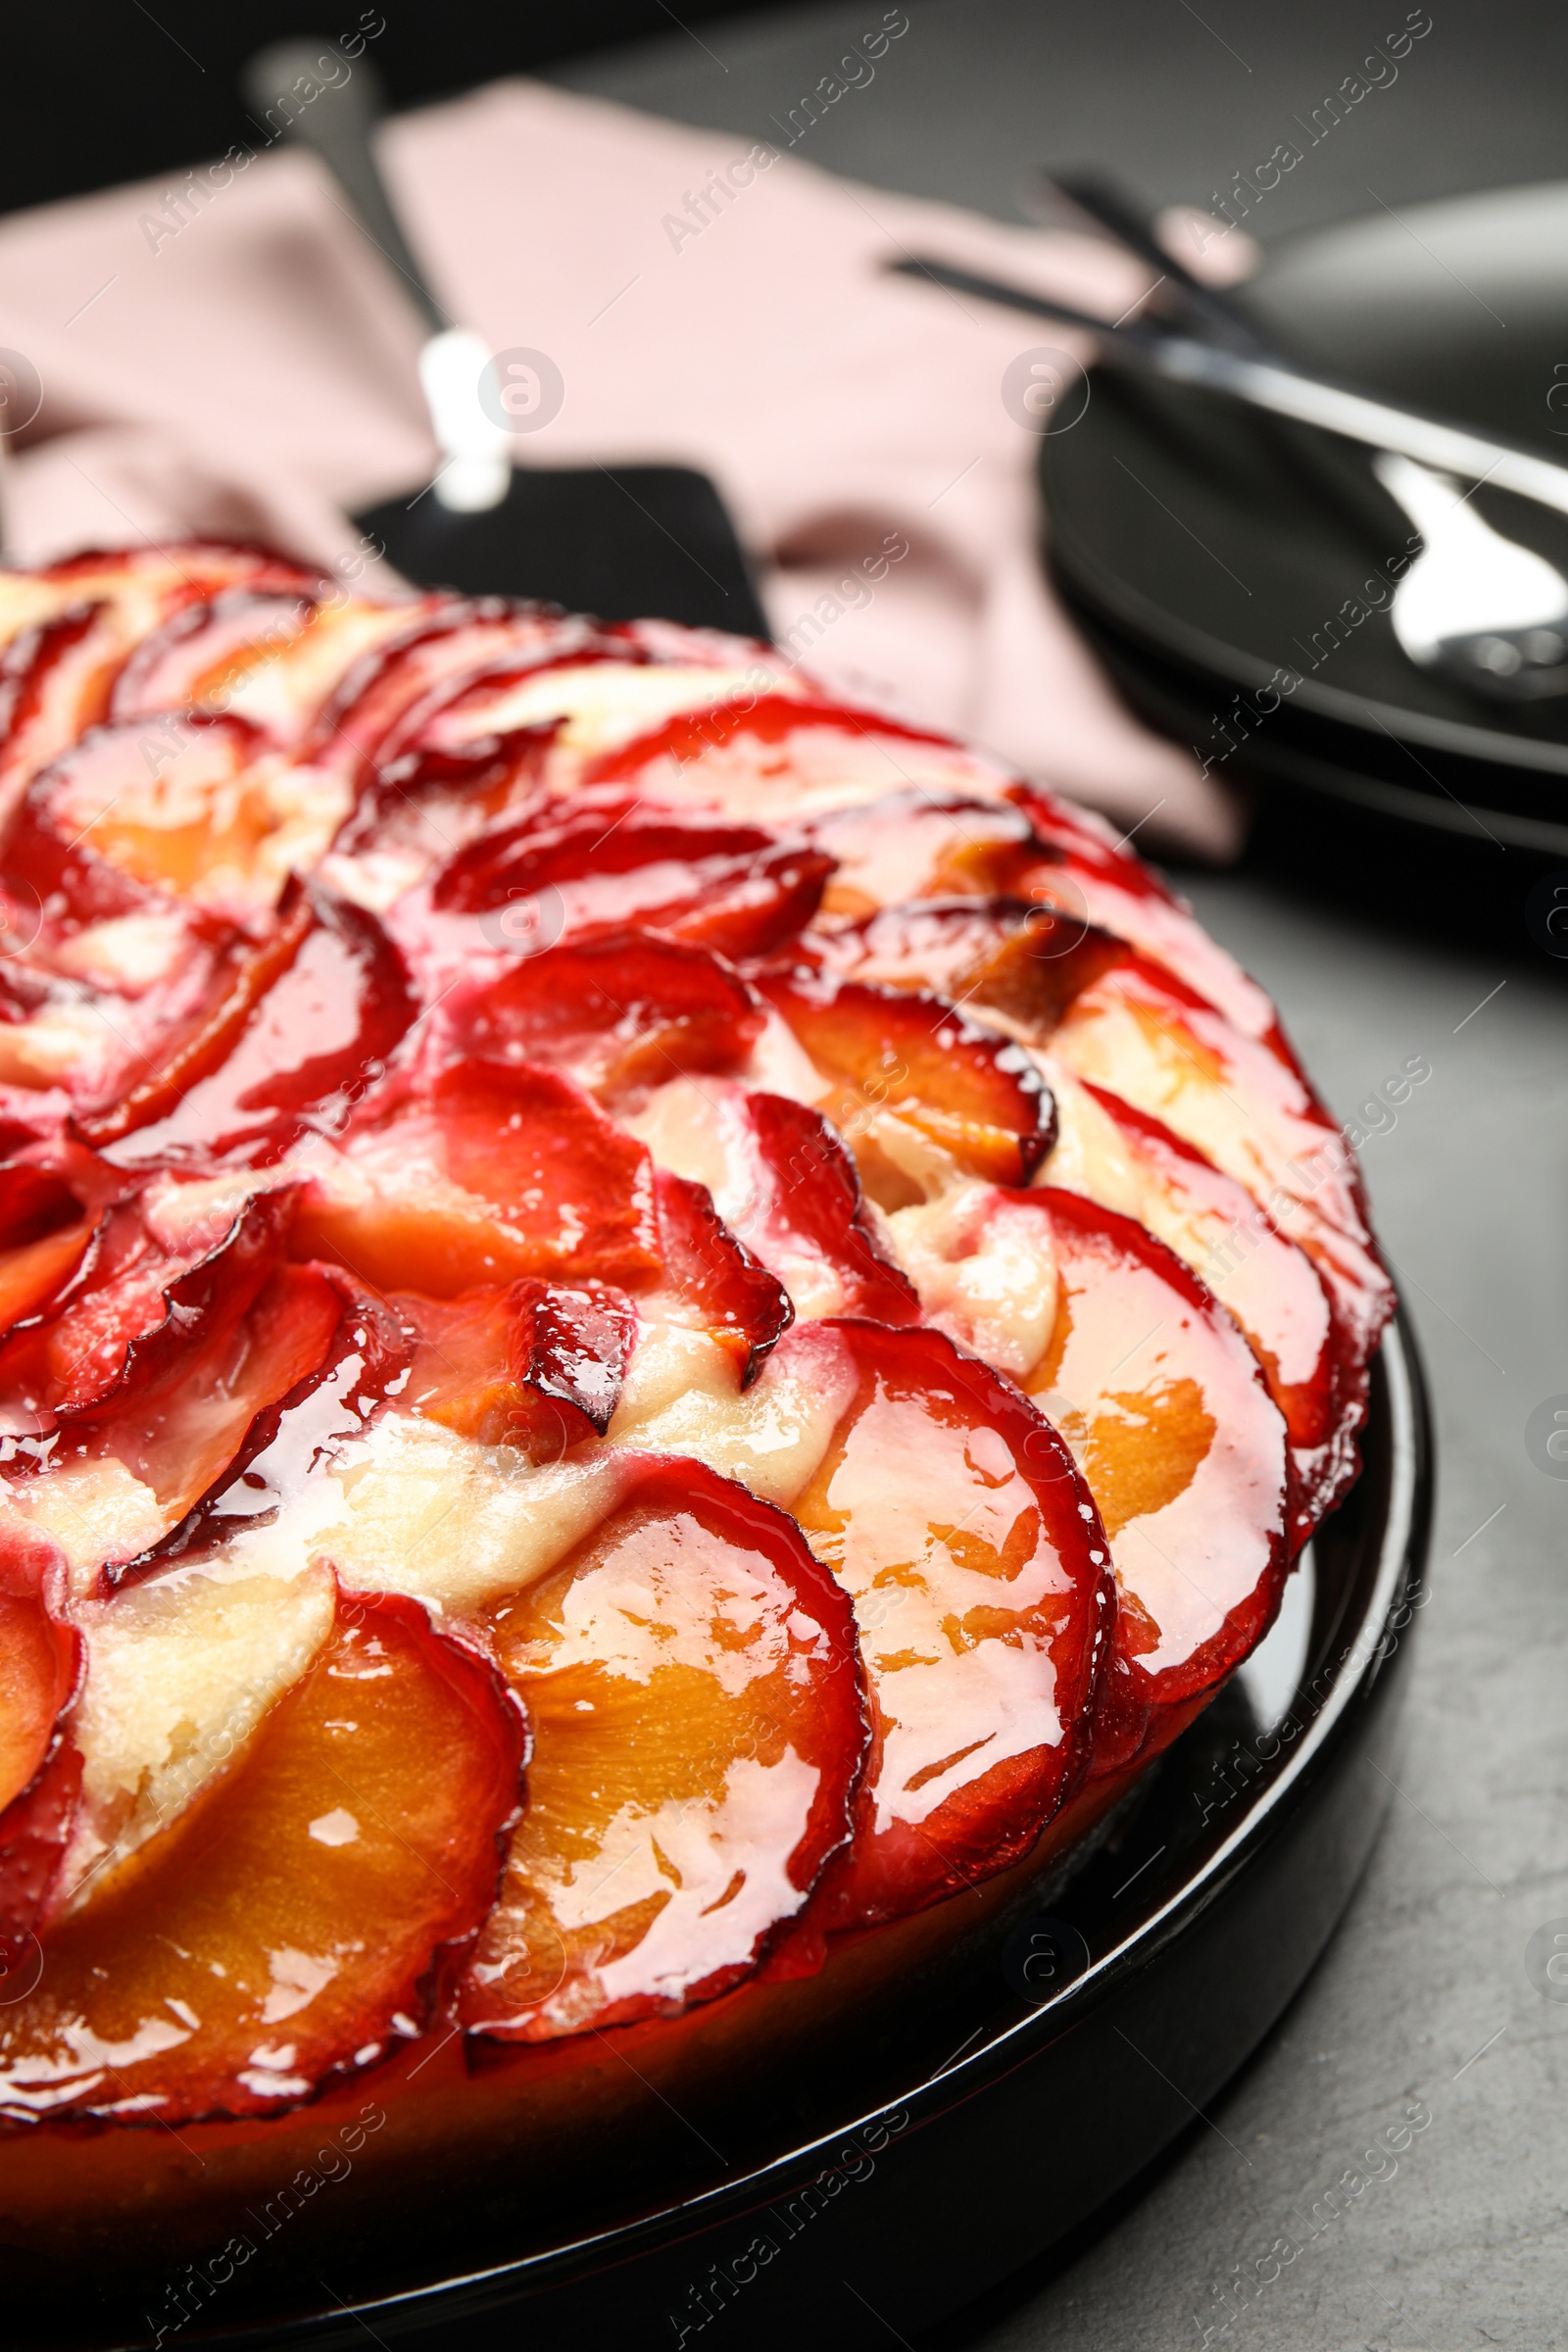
{"points": [[623, 541]]}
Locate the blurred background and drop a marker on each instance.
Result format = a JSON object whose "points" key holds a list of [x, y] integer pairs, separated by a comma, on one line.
{"points": [[1174, 100], [1179, 104], [1374, 956]]}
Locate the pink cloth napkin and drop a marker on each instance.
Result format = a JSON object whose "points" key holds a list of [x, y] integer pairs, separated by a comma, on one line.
{"points": [[251, 372]]}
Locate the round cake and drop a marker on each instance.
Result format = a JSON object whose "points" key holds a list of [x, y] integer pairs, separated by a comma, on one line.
{"points": [[651, 1321]]}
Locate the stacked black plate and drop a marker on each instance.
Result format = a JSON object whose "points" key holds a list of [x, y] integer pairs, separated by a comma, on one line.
{"points": [[1234, 571]]}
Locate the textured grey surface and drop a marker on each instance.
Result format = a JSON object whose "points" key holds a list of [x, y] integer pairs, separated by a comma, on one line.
{"points": [[978, 90], [1424, 1996], [1467, 2243]]}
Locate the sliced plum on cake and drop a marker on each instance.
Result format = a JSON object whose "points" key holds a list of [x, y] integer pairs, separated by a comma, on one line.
{"points": [[603, 691], [1206, 1135], [784, 751], [1090, 875], [911, 814], [165, 1265], [688, 1667], [169, 914], [72, 628], [1121, 1022], [621, 1014], [1165, 1408], [497, 1169], [155, 1455], [182, 808], [447, 731], [920, 1090], [534, 1364], [52, 1196], [1317, 1369], [784, 1183], [692, 1680], [40, 1765], [136, 1393], [917, 845], [203, 654], [493, 1170], [373, 711], [609, 857], [307, 1025], [35, 1834], [459, 676], [954, 1516], [629, 1017], [711, 1283], [282, 1929], [40, 1656]]}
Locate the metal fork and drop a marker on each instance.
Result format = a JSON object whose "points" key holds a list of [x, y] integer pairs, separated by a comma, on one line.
{"points": [[1474, 604]]}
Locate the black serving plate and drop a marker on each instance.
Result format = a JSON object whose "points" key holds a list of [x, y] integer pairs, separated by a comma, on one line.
{"points": [[1207, 548], [884, 2139]]}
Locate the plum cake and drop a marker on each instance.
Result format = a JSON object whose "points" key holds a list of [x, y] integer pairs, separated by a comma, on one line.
{"points": [[650, 1320]]}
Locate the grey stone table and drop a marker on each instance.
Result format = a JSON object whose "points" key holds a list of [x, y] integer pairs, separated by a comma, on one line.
{"points": [[1424, 1996]]}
